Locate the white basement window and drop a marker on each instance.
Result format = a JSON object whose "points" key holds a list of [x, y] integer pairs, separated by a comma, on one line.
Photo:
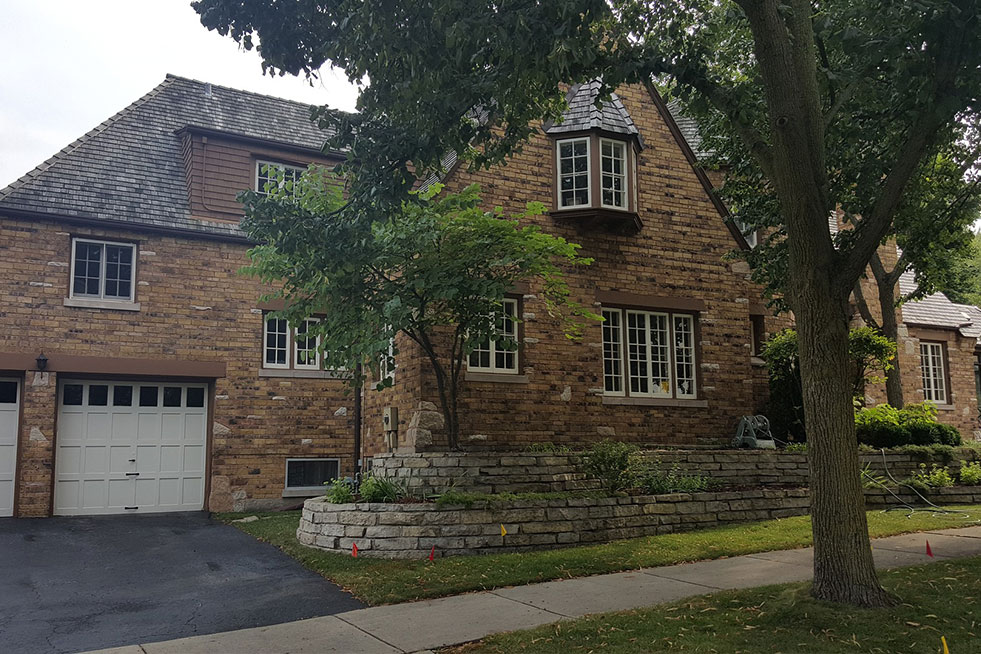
{"points": [[267, 176], [649, 354], [933, 371], [310, 475], [492, 355], [103, 270]]}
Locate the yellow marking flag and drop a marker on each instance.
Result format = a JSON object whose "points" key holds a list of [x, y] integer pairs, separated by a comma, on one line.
{"points": [[504, 532], [943, 641]]}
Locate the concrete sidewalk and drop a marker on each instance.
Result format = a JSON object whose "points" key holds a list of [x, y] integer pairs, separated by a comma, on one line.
{"points": [[421, 626]]}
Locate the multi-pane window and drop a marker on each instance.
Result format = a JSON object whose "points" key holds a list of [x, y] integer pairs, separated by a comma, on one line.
{"points": [[573, 165], [649, 354], [102, 269], [497, 354], [933, 372], [613, 178], [270, 175], [307, 351], [748, 231], [277, 343]]}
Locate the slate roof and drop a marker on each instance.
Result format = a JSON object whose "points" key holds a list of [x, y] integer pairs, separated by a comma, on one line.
{"points": [[688, 127], [938, 311], [130, 169], [583, 114]]}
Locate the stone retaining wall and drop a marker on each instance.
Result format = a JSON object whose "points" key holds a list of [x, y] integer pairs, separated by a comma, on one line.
{"points": [[412, 530], [517, 472]]}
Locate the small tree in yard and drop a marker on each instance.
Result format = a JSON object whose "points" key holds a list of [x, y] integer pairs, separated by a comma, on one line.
{"points": [[437, 271]]}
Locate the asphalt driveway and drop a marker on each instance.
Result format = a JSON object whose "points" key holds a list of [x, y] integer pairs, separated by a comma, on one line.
{"points": [[76, 584]]}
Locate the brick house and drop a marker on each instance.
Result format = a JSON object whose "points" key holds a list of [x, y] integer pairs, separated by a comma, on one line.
{"points": [[139, 372]]}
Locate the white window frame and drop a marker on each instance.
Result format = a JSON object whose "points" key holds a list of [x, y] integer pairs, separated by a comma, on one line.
{"points": [[933, 372], [384, 372], [260, 164], [316, 348], [493, 349], [751, 237], [102, 271], [624, 177], [286, 470], [265, 344], [589, 173], [623, 348]]}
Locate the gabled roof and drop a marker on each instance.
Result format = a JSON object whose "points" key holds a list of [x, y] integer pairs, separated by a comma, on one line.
{"points": [[688, 127], [130, 168], [937, 310], [583, 114]]}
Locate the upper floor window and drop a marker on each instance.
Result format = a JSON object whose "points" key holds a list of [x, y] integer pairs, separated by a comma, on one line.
{"points": [[573, 157], [649, 354], [494, 355], [613, 171], [749, 232], [596, 173], [934, 373], [289, 348], [267, 176], [103, 270]]}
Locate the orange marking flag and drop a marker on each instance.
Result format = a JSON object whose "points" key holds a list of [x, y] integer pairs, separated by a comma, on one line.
{"points": [[929, 551], [354, 550]]}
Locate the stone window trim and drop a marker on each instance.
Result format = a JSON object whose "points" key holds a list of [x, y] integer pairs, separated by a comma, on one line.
{"points": [[108, 277], [595, 205], [292, 171], [499, 363], [635, 368], [307, 490], [935, 373]]}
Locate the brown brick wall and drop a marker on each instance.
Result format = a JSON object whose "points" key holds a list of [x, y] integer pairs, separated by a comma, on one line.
{"points": [[678, 253], [195, 306]]}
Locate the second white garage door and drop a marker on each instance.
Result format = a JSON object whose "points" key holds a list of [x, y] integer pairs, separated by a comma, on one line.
{"points": [[130, 447]]}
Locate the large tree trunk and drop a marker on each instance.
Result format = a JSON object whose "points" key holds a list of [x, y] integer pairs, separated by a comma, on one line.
{"points": [[843, 566], [890, 329]]}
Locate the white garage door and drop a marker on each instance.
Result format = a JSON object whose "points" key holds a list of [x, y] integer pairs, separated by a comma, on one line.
{"points": [[9, 412], [130, 447]]}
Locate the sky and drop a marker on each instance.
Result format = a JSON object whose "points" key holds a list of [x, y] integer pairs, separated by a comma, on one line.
{"points": [[70, 64]]}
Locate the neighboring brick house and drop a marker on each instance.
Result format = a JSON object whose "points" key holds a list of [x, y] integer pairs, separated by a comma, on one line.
{"points": [[120, 257]]}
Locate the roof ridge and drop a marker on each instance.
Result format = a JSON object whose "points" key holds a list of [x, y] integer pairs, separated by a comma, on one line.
{"points": [[58, 156], [246, 92]]}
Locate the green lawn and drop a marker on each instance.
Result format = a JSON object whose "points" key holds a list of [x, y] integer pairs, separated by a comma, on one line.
{"points": [[943, 601], [378, 581]]}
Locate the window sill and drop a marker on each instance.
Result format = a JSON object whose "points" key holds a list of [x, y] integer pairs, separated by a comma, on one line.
{"points": [[304, 492], [757, 362], [302, 374], [497, 377], [655, 401], [945, 407], [92, 303]]}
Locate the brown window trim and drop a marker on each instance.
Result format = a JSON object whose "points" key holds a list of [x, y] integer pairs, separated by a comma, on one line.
{"points": [[595, 212]]}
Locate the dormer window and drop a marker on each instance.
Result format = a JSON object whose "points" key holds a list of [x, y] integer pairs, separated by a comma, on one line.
{"points": [[596, 147], [270, 174]]}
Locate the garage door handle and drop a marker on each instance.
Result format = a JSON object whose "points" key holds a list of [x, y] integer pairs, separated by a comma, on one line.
{"points": [[132, 474]]}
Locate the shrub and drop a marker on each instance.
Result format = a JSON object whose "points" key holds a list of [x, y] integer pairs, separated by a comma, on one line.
{"points": [[613, 463], [377, 489], [658, 482], [340, 491], [799, 448], [935, 477], [548, 448], [886, 426], [971, 474]]}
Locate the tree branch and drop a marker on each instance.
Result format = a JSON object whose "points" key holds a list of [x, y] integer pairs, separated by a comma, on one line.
{"points": [[863, 306]]}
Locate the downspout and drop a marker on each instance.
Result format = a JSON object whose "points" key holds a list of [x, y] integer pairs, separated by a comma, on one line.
{"points": [[358, 394]]}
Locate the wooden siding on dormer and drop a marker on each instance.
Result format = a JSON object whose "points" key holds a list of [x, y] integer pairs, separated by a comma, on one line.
{"points": [[218, 169]]}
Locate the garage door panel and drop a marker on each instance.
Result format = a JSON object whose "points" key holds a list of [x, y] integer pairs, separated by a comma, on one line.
{"points": [[96, 460], [139, 450], [8, 462], [124, 425]]}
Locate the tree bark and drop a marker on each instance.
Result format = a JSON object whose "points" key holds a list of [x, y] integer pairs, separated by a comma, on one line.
{"points": [[890, 329], [784, 46]]}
